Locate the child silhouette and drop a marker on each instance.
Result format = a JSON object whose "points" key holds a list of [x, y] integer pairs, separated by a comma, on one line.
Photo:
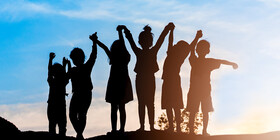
{"points": [[171, 88], [200, 87], [146, 66], [81, 87], [119, 89], [57, 80]]}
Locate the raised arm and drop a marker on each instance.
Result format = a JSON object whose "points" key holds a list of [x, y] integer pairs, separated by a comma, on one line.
{"points": [[93, 54], [170, 41], [163, 35], [129, 37], [105, 48], [51, 57], [66, 62], [119, 29], [194, 42]]}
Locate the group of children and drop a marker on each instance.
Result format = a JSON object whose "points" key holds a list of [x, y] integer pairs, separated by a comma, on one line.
{"points": [[119, 88]]}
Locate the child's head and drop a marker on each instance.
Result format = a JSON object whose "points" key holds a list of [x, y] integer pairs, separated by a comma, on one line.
{"points": [[115, 48], [203, 48], [58, 70], [117, 51], [181, 45], [146, 37], [78, 56]]}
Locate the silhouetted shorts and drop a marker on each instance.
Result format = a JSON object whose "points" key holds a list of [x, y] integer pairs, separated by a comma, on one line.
{"points": [[145, 89], [80, 103], [195, 100], [57, 116]]}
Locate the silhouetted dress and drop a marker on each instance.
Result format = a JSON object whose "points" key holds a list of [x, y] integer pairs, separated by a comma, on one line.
{"points": [[171, 87], [200, 86], [119, 89]]}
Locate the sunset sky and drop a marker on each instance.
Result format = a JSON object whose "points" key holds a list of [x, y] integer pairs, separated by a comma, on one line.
{"points": [[247, 32]]}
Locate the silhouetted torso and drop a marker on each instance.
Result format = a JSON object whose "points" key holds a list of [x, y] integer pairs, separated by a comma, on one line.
{"points": [[80, 78], [57, 90], [146, 61], [174, 60], [200, 74]]}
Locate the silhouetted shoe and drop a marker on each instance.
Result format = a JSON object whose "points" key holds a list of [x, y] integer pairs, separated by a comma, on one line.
{"points": [[169, 129], [113, 132], [141, 129], [121, 131], [192, 134], [152, 129], [205, 134], [80, 137], [178, 131]]}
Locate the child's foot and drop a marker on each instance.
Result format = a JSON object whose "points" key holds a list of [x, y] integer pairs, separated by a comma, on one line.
{"points": [[113, 132], [204, 133], [178, 130], [121, 130], [169, 129], [192, 133], [152, 129], [80, 137], [141, 129]]}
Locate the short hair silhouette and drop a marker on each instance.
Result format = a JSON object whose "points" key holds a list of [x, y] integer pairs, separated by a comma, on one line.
{"points": [[203, 47], [78, 56], [181, 46], [58, 70]]}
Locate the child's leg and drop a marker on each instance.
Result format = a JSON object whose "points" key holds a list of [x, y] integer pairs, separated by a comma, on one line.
{"points": [[169, 114], [191, 122], [205, 123], [52, 127], [141, 101], [51, 118], [62, 121], [82, 113], [150, 95], [122, 116], [114, 117], [73, 114], [178, 119], [151, 112]]}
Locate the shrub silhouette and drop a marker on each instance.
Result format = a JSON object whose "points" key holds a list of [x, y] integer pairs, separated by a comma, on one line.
{"points": [[163, 124]]}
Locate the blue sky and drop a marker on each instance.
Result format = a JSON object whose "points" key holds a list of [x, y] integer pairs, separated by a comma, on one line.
{"points": [[244, 31]]}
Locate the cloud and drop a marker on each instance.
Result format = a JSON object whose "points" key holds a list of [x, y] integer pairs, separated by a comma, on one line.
{"points": [[20, 9], [252, 121]]}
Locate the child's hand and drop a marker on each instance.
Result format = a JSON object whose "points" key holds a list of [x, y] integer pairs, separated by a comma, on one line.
{"points": [[235, 66], [199, 34], [127, 33], [170, 26], [93, 37], [120, 27], [52, 55], [65, 61]]}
